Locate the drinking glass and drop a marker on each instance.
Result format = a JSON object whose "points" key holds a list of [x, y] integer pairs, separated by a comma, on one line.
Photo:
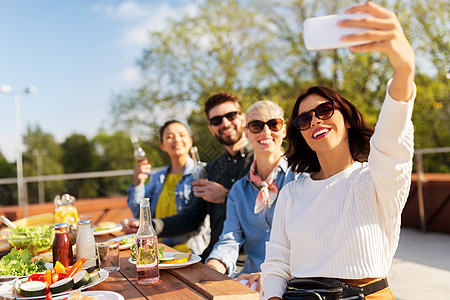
{"points": [[108, 254]]}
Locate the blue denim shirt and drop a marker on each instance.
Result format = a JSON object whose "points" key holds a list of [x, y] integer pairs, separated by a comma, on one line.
{"points": [[183, 197], [243, 226]]}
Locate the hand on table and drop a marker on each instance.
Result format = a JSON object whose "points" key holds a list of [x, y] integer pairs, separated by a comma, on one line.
{"points": [[251, 278], [217, 265], [130, 225], [210, 191]]}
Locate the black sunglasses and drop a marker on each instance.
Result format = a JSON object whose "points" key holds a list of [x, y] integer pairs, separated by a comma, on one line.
{"points": [[323, 111], [217, 120], [256, 126]]}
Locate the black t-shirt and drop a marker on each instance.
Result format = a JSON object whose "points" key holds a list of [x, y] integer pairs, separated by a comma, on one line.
{"points": [[226, 170]]}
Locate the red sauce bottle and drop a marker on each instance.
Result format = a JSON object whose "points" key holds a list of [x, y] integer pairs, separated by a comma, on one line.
{"points": [[62, 246]]}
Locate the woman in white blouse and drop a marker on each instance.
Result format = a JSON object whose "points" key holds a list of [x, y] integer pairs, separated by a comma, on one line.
{"points": [[343, 221]]}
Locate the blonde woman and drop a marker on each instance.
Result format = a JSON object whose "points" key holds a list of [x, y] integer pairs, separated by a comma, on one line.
{"points": [[252, 199]]}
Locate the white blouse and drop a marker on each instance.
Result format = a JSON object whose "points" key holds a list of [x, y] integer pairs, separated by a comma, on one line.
{"points": [[348, 225]]}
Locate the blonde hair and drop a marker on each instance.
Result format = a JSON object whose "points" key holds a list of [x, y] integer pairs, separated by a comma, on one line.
{"points": [[266, 106]]}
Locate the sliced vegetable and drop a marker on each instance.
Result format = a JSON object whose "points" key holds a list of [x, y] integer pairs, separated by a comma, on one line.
{"points": [[59, 268], [91, 269], [61, 285], [165, 259], [49, 296], [81, 278], [32, 288], [54, 276], [176, 261], [36, 277], [76, 267], [48, 277], [61, 276], [94, 276]]}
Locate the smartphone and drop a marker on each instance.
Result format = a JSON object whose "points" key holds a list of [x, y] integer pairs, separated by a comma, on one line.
{"points": [[323, 33]]}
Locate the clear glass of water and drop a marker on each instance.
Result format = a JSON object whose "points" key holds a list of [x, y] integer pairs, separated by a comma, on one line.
{"points": [[109, 258]]}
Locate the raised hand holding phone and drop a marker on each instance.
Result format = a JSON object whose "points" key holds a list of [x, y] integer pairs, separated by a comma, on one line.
{"points": [[386, 35]]}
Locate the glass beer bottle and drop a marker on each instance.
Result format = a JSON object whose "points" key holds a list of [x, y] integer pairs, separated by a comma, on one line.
{"points": [[139, 153], [146, 247], [199, 167]]}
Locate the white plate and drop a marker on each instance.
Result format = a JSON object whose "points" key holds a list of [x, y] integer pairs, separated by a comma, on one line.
{"points": [[7, 287], [194, 259], [125, 246], [100, 295], [106, 231]]}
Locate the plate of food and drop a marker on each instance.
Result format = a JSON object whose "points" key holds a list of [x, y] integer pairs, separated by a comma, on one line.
{"points": [[125, 241], [36, 289], [174, 260], [91, 295], [106, 227]]}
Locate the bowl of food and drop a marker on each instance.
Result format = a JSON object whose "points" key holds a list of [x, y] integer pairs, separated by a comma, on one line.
{"points": [[36, 239]]}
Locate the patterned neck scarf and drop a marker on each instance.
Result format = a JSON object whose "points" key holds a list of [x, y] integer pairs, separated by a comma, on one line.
{"points": [[268, 190]]}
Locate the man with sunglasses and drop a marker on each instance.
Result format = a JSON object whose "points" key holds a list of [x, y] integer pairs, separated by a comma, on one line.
{"points": [[226, 124]]}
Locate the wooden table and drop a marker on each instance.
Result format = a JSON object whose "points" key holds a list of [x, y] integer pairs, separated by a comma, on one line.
{"points": [[196, 281]]}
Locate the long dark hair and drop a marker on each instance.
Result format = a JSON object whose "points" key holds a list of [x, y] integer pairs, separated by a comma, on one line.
{"points": [[302, 158]]}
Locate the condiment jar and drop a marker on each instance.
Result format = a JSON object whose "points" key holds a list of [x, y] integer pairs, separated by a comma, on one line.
{"points": [[62, 246], [86, 244]]}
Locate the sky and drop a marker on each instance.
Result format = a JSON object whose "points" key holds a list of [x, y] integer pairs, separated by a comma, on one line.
{"points": [[77, 54]]}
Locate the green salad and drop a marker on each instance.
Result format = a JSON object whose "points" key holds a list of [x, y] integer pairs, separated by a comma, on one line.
{"points": [[127, 240], [35, 238], [17, 263]]}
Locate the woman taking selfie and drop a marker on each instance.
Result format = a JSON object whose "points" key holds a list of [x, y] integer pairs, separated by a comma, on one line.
{"points": [[343, 220], [252, 199], [169, 189]]}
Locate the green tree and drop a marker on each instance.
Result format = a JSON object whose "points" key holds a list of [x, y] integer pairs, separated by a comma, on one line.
{"points": [[8, 195], [114, 152], [78, 155], [255, 50], [36, 139], [225, 46]]}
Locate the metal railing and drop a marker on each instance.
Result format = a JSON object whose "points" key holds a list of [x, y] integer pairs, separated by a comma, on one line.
{"points": [[83, 175], [418, 156]]}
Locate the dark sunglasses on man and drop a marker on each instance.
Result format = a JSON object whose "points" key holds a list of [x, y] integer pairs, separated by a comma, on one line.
{"points": [[323, 111], [217, 120], [256, 126]]}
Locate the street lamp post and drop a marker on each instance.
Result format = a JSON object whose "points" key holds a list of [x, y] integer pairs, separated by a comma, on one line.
{"points": [[30, 90], [40, 171]]}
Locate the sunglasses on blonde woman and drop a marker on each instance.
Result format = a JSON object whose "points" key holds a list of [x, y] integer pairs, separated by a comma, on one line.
{"points": [[323, 111], [256, 126]]}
